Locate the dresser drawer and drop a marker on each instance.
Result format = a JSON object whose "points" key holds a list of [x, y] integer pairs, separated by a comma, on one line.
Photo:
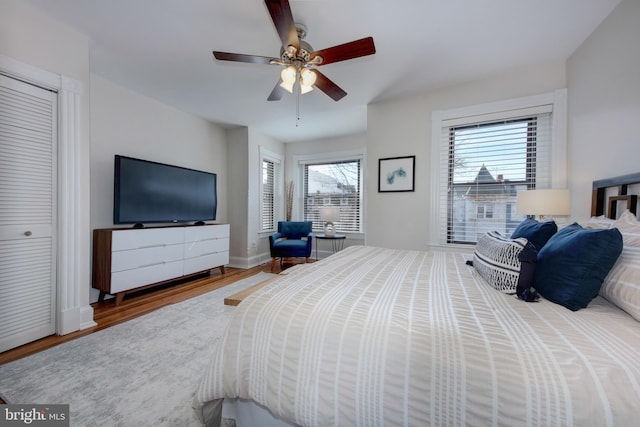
{"points": [[138, 258], [205, 262], [135, 239], [204, 247], [196, 234], [129, 279]]}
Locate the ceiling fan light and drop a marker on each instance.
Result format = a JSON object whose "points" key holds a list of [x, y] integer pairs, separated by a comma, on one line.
{"points": [[288, 75], [305, 88], [287, 86], [308, 77]]}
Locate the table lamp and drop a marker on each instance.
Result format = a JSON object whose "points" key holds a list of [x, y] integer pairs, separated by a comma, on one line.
{"points": [[329, 216], [545, 203]]}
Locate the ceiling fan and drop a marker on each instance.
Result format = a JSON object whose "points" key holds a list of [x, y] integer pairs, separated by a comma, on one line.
{"points": [[298, 58]]}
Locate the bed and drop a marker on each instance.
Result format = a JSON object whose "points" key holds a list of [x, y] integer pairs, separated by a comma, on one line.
{"points": [[375, 336]]}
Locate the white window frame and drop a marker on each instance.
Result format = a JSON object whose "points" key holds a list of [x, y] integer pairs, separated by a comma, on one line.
{"points": [[558, 168], [301, 160], [278, 206]]}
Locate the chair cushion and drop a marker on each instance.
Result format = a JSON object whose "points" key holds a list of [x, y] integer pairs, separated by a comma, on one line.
{"points": [[294, 229], [291, 248], [290, 243]]}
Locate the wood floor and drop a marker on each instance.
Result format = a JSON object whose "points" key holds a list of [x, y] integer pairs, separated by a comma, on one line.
{"points": [[106, 314]]}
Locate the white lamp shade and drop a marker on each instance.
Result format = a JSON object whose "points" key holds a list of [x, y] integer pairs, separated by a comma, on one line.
{"points": [[330, 214], [545, 202], [308, 77], [288, 76], [305, 89]]}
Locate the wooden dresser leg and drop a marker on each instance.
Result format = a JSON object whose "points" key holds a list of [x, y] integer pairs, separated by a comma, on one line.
{"points": [[222, 269], [119, 297], [101, 296]]}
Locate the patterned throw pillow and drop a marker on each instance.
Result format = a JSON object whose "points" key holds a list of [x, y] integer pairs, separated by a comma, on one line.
{"points": [[497, 259]]}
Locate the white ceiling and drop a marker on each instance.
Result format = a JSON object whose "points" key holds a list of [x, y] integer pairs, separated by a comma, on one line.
{"points": [[162, 48]]}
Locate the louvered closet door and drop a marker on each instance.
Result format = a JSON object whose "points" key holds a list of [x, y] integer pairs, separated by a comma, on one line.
{"points": [[28, 117]]}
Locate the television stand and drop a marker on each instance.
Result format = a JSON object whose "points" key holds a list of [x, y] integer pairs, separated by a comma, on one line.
{"points": [[127, 260]]}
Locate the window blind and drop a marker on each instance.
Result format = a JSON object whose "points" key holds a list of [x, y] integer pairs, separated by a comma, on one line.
{"points": [[485, 161], [271, 197], [334, 184]]}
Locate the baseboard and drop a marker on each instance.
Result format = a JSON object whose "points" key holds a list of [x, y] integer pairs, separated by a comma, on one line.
{"points": [[248, 262], [86, 317]]}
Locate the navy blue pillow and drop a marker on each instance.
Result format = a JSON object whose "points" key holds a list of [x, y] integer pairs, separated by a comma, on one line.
{"points": [[525, 290], [573, 264], [538, 233]]}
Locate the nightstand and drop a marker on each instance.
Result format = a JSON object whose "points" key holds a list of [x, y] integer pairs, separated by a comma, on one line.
{"points": [[337, 241]]}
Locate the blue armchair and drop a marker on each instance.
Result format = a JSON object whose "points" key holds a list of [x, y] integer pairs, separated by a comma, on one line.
{"points": [[293, 240]]}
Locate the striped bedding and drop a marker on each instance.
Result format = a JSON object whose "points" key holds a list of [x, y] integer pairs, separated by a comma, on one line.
{"points": [[372, 337]]}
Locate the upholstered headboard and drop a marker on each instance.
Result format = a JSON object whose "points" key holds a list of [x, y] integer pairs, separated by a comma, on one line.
{"points": [[612, 195]]}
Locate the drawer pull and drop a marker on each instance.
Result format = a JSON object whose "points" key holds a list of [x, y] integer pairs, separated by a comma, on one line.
{"points": [[209, 239], [152, 264], [152, 246], [27, 233]]}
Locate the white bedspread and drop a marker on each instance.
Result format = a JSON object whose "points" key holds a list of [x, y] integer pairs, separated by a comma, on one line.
{"points": [[373, 337]]}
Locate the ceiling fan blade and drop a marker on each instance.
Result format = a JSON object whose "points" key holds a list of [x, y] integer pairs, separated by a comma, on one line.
{"points": [[282, 18], [327, 86], [277, 93], [239, 57], [342, 52]]}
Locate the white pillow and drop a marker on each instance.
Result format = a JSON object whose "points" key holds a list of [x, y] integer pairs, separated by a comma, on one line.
{"points": [[598, 222], [622, 284]]}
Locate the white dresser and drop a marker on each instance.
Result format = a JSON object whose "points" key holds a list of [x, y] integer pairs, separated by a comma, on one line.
{"points": [[125, 260]]}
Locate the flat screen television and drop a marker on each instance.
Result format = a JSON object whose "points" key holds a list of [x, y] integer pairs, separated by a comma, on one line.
{"points": [[150, 192]]}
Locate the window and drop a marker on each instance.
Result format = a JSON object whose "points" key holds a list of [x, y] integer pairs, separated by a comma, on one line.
{"points": [[487, 153], [334, 184], [271, 191], [485, 212], [488, 163]]}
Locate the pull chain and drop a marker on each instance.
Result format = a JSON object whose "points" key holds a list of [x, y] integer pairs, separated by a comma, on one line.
{"points": [[297, 107]]}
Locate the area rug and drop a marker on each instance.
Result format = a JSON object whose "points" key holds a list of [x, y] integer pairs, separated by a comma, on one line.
{"points": [[142, 372]]}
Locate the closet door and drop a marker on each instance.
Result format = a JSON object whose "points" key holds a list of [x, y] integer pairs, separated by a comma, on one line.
{"points": [[28, 117]]}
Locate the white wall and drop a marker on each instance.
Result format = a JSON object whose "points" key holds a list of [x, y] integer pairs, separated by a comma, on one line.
{"points": [[238, 173], [248, 247], [403, 128], [30, 36], [127, 123], [604, 104]]}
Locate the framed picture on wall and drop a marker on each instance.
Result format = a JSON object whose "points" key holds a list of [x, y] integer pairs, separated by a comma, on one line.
{"points": [[396, 174]]}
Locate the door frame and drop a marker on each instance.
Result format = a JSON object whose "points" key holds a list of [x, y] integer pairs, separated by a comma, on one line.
{"points": [[73, 311]]}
